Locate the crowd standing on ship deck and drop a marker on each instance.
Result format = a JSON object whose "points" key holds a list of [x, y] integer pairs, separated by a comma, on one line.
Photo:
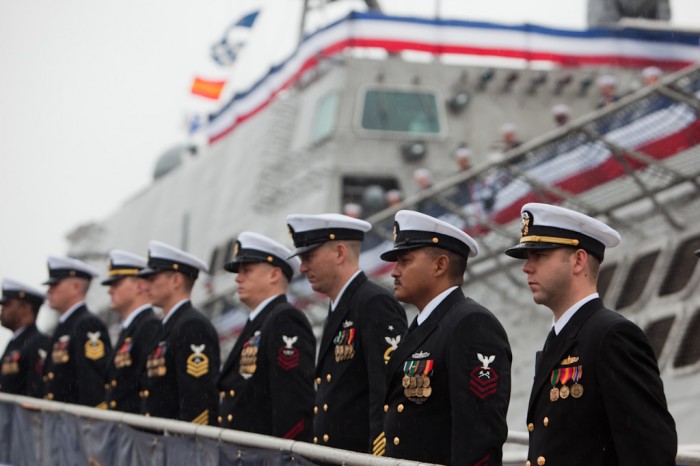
{"points": [[437, 391]]}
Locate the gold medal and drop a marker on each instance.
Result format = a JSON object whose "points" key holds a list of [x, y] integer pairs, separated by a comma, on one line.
{"points": [[426, 381], [406, 381], [419, 381], [413, 382], [564, 392], [427, 391], [577, 390], [419, 392], [554, 394]]}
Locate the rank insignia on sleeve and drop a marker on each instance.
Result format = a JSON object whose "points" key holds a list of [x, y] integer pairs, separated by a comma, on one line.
{"points": [[344, 344], [122, 357], [416, 380], [483, 380], [59, 352], [249, 356], [94, 347], [155, 365], [288, 355], [393, 344], [197, 362], [10, 363]]}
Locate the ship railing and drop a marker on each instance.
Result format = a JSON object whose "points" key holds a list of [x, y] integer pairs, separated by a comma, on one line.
{"points": [[236, 441], [633, 151]]}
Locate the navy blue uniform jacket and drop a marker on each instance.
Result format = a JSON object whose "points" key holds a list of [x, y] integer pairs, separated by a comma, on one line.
{"points": [[267, 383], [458, 417], [620, 418]]}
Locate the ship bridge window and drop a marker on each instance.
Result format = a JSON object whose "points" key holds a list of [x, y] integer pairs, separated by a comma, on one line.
{"points": [[689, 350], [414, 112], [657, 333], [324, 117], [637, 279], [682, 267], [604, 278]]}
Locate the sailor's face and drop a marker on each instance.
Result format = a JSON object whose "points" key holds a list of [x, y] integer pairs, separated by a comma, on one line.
{"points": [[319, 266], [122, 293], [9, 314], [412, 280], [254, 282], [160, 287], [549, 274], [62, 294]]}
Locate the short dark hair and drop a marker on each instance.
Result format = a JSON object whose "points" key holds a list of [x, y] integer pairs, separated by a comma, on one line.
{"points": [[457, 264]]}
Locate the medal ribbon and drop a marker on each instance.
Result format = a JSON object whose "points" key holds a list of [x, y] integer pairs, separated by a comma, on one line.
{"points": [[566, 373], [338, 338], [409, 367], [578, 372], [351, 336], [555, 378], [428, 367]]}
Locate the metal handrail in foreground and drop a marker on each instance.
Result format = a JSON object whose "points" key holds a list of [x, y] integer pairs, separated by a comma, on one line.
{"points": [[688, 455]]}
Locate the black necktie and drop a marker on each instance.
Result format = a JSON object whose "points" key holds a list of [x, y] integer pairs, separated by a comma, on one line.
{"points": [[549, 339]]}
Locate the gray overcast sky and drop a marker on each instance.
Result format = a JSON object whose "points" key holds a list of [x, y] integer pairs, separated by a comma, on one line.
{"points": [[92, 92]]}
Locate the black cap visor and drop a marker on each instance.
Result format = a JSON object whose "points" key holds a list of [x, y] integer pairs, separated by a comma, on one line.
{"points": [[304, 249], [519, 251]]}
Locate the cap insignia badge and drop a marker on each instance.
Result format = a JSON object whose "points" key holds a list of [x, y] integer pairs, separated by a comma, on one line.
{"points": [[526, 219]]}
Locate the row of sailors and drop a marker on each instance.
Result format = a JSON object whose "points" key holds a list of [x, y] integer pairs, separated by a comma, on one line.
{"points": [[437, 391]]}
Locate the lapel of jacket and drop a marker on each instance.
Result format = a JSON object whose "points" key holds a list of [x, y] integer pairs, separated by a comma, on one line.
{"points": [[339, 314], [250, 327], [560, 346], [416, 337]]}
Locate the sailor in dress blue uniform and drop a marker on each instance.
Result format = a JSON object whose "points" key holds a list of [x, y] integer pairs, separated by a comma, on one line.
{"points": [[266, 385], [597, 397], [76, 366], [449, 378], [364, 325], [183, 367], [139, 331], [23, 359]]}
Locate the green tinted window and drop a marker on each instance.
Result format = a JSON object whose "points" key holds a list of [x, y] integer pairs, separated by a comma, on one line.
{"points": [[404, 111], [324, 117]]}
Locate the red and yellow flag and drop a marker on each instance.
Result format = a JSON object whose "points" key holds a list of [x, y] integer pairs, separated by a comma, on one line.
{"points": [[206, 88]]}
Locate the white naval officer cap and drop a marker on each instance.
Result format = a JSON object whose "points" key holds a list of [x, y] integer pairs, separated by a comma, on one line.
{"points": [[546, 226], [413, 230], [14, 289], [67, 267], [311, 231], [165, 258], [123, 264], [253, 247]]}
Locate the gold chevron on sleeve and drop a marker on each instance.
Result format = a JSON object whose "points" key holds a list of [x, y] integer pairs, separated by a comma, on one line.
{"points": [[379, 445], [202, 419]]}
